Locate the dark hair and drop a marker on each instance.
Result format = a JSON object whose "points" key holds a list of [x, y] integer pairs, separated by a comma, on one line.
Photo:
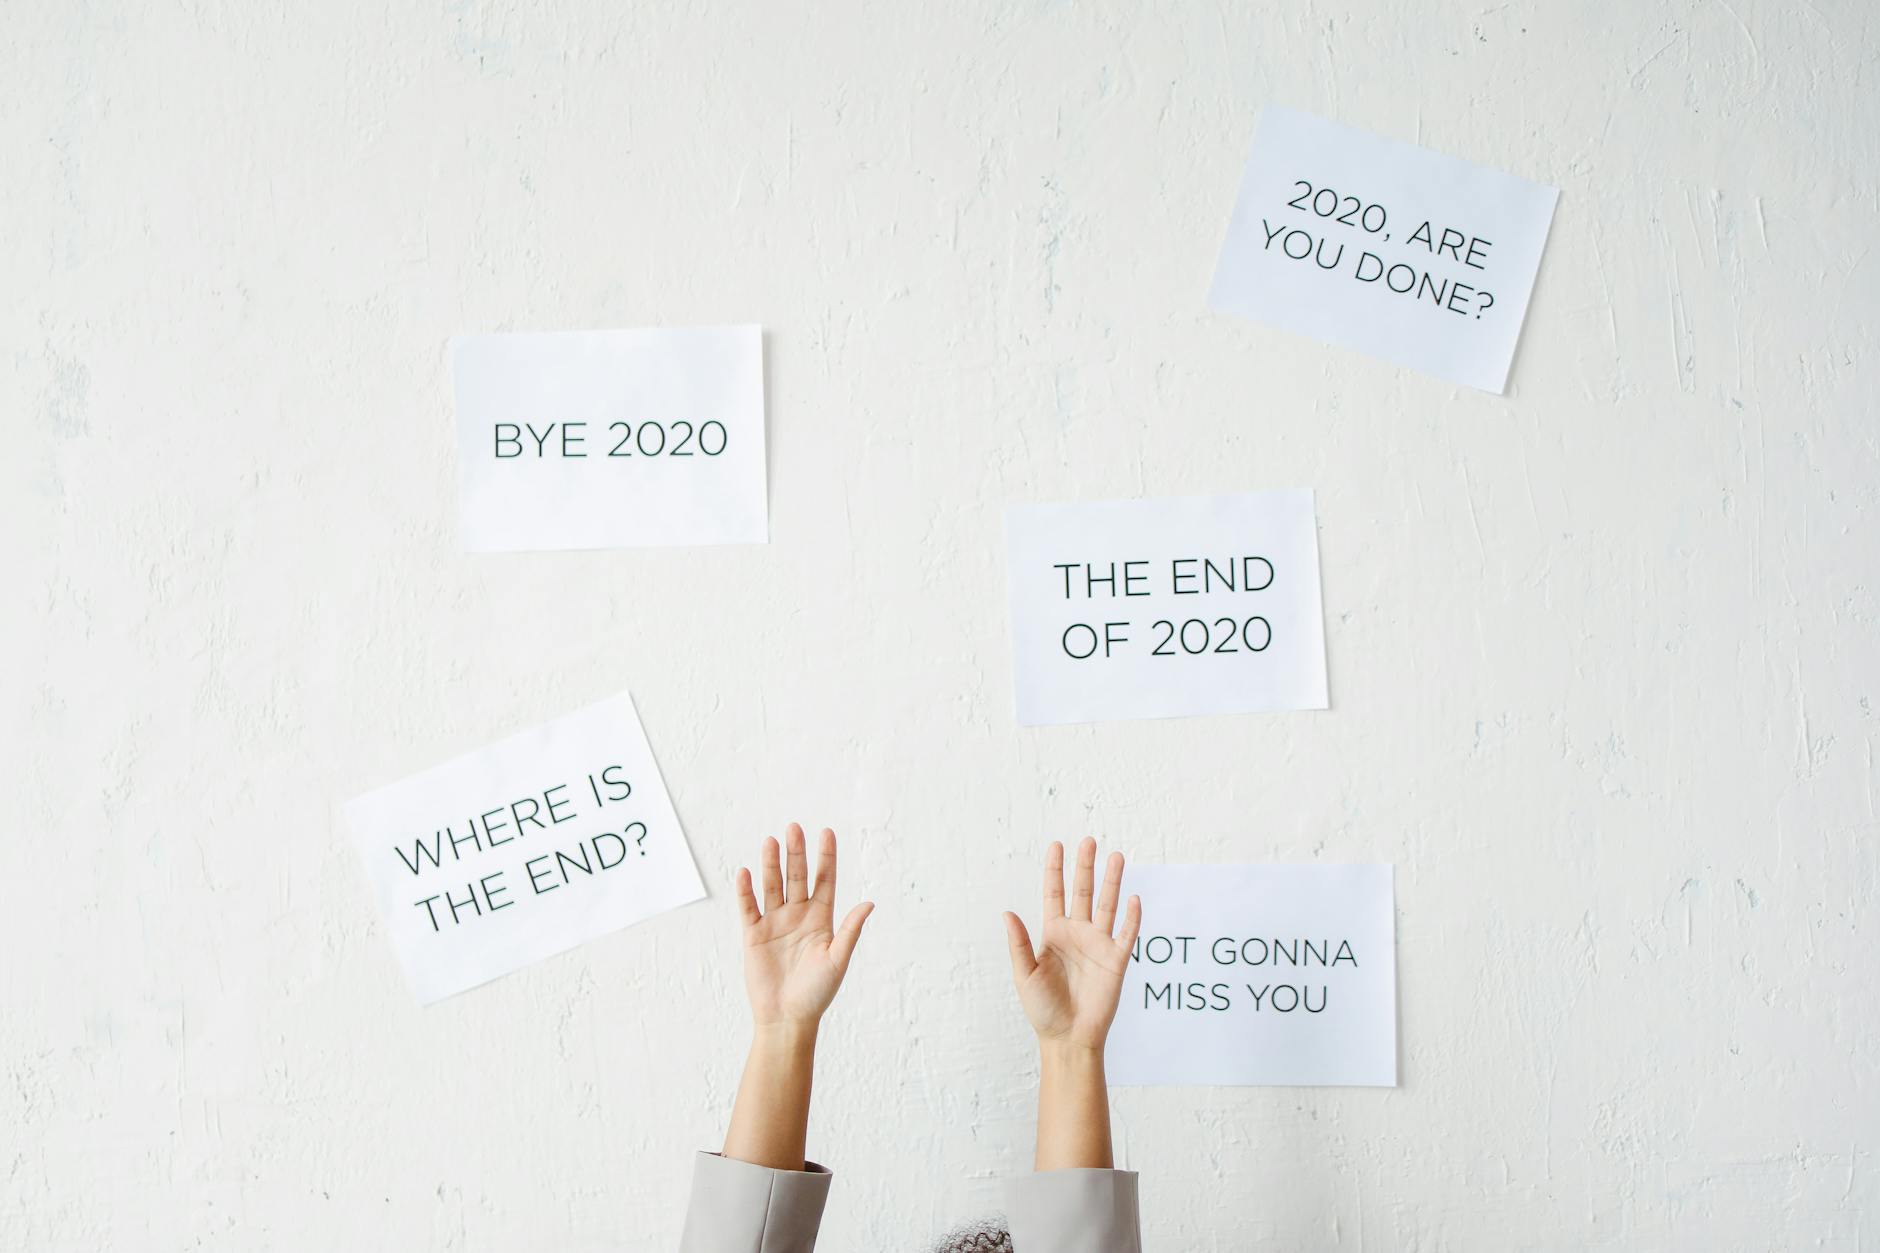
{"points": [[987, 1236]]}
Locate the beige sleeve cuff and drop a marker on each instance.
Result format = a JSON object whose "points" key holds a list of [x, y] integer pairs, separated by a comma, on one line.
{"points": [[1074, 1211], [738, 1207]]}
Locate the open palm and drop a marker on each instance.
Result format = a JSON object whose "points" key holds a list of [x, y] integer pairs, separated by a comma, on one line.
{"points": [[1069, 985], [794, 955]]}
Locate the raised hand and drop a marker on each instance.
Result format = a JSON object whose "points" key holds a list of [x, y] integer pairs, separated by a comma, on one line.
{"points": [[794, 960], [794, 955], [1070, 984]]}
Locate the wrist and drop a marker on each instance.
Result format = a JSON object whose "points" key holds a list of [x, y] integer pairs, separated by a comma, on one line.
{"points": [[784, 1035], [1069, 1055]]}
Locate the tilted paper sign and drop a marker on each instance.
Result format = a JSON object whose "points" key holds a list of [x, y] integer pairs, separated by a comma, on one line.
{"points": [[523, 849], [611, 439], [1282, 975], [1165, 607], [1409, 255]]}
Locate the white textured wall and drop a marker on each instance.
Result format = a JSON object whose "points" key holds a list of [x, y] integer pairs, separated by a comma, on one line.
{"points": [[1605, 659]]}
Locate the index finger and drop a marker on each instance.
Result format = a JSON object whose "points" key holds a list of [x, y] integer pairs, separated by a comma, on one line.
{"points": [[1054, 880], [824, 888]]}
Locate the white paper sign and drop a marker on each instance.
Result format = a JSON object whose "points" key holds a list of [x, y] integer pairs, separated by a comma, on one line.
{"points": [[611, 439], [1272, 975], [1161, 608], [523, 849], [1373, 244]]}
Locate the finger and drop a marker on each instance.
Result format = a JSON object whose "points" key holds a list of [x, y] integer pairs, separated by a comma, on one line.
{"points": [[796, 862], [825, 887], [842, 946], [747, 900], [773, 875], [1106, 899], [1132, 923], [1054, 881], [1086, 871], [1023, 961]]}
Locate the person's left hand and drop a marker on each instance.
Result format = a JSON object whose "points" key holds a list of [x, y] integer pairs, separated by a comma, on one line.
{"points": [[1069, 986], [794, 957]]}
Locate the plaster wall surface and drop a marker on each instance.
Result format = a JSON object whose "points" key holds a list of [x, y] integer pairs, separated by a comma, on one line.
{"points": [[1603, 652]]}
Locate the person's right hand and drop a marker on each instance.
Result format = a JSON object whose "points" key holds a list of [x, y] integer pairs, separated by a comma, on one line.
{"points": [[794, 954], [794, 960], [1069, 986]]}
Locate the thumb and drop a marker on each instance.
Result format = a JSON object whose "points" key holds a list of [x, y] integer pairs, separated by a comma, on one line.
{"points": [[1023, 962], [842, 945]]}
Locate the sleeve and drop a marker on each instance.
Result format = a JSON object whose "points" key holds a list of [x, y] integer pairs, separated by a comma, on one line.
{"points": [[1074, 1211], [738, 1207]]}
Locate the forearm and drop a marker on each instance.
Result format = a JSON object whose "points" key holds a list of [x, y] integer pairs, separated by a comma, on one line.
{"points": [[770, 1122], [1073, 1109]]}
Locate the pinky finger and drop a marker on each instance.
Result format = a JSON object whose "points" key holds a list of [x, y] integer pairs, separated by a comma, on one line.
{"points": [[1132, 924], [747, 899]]}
